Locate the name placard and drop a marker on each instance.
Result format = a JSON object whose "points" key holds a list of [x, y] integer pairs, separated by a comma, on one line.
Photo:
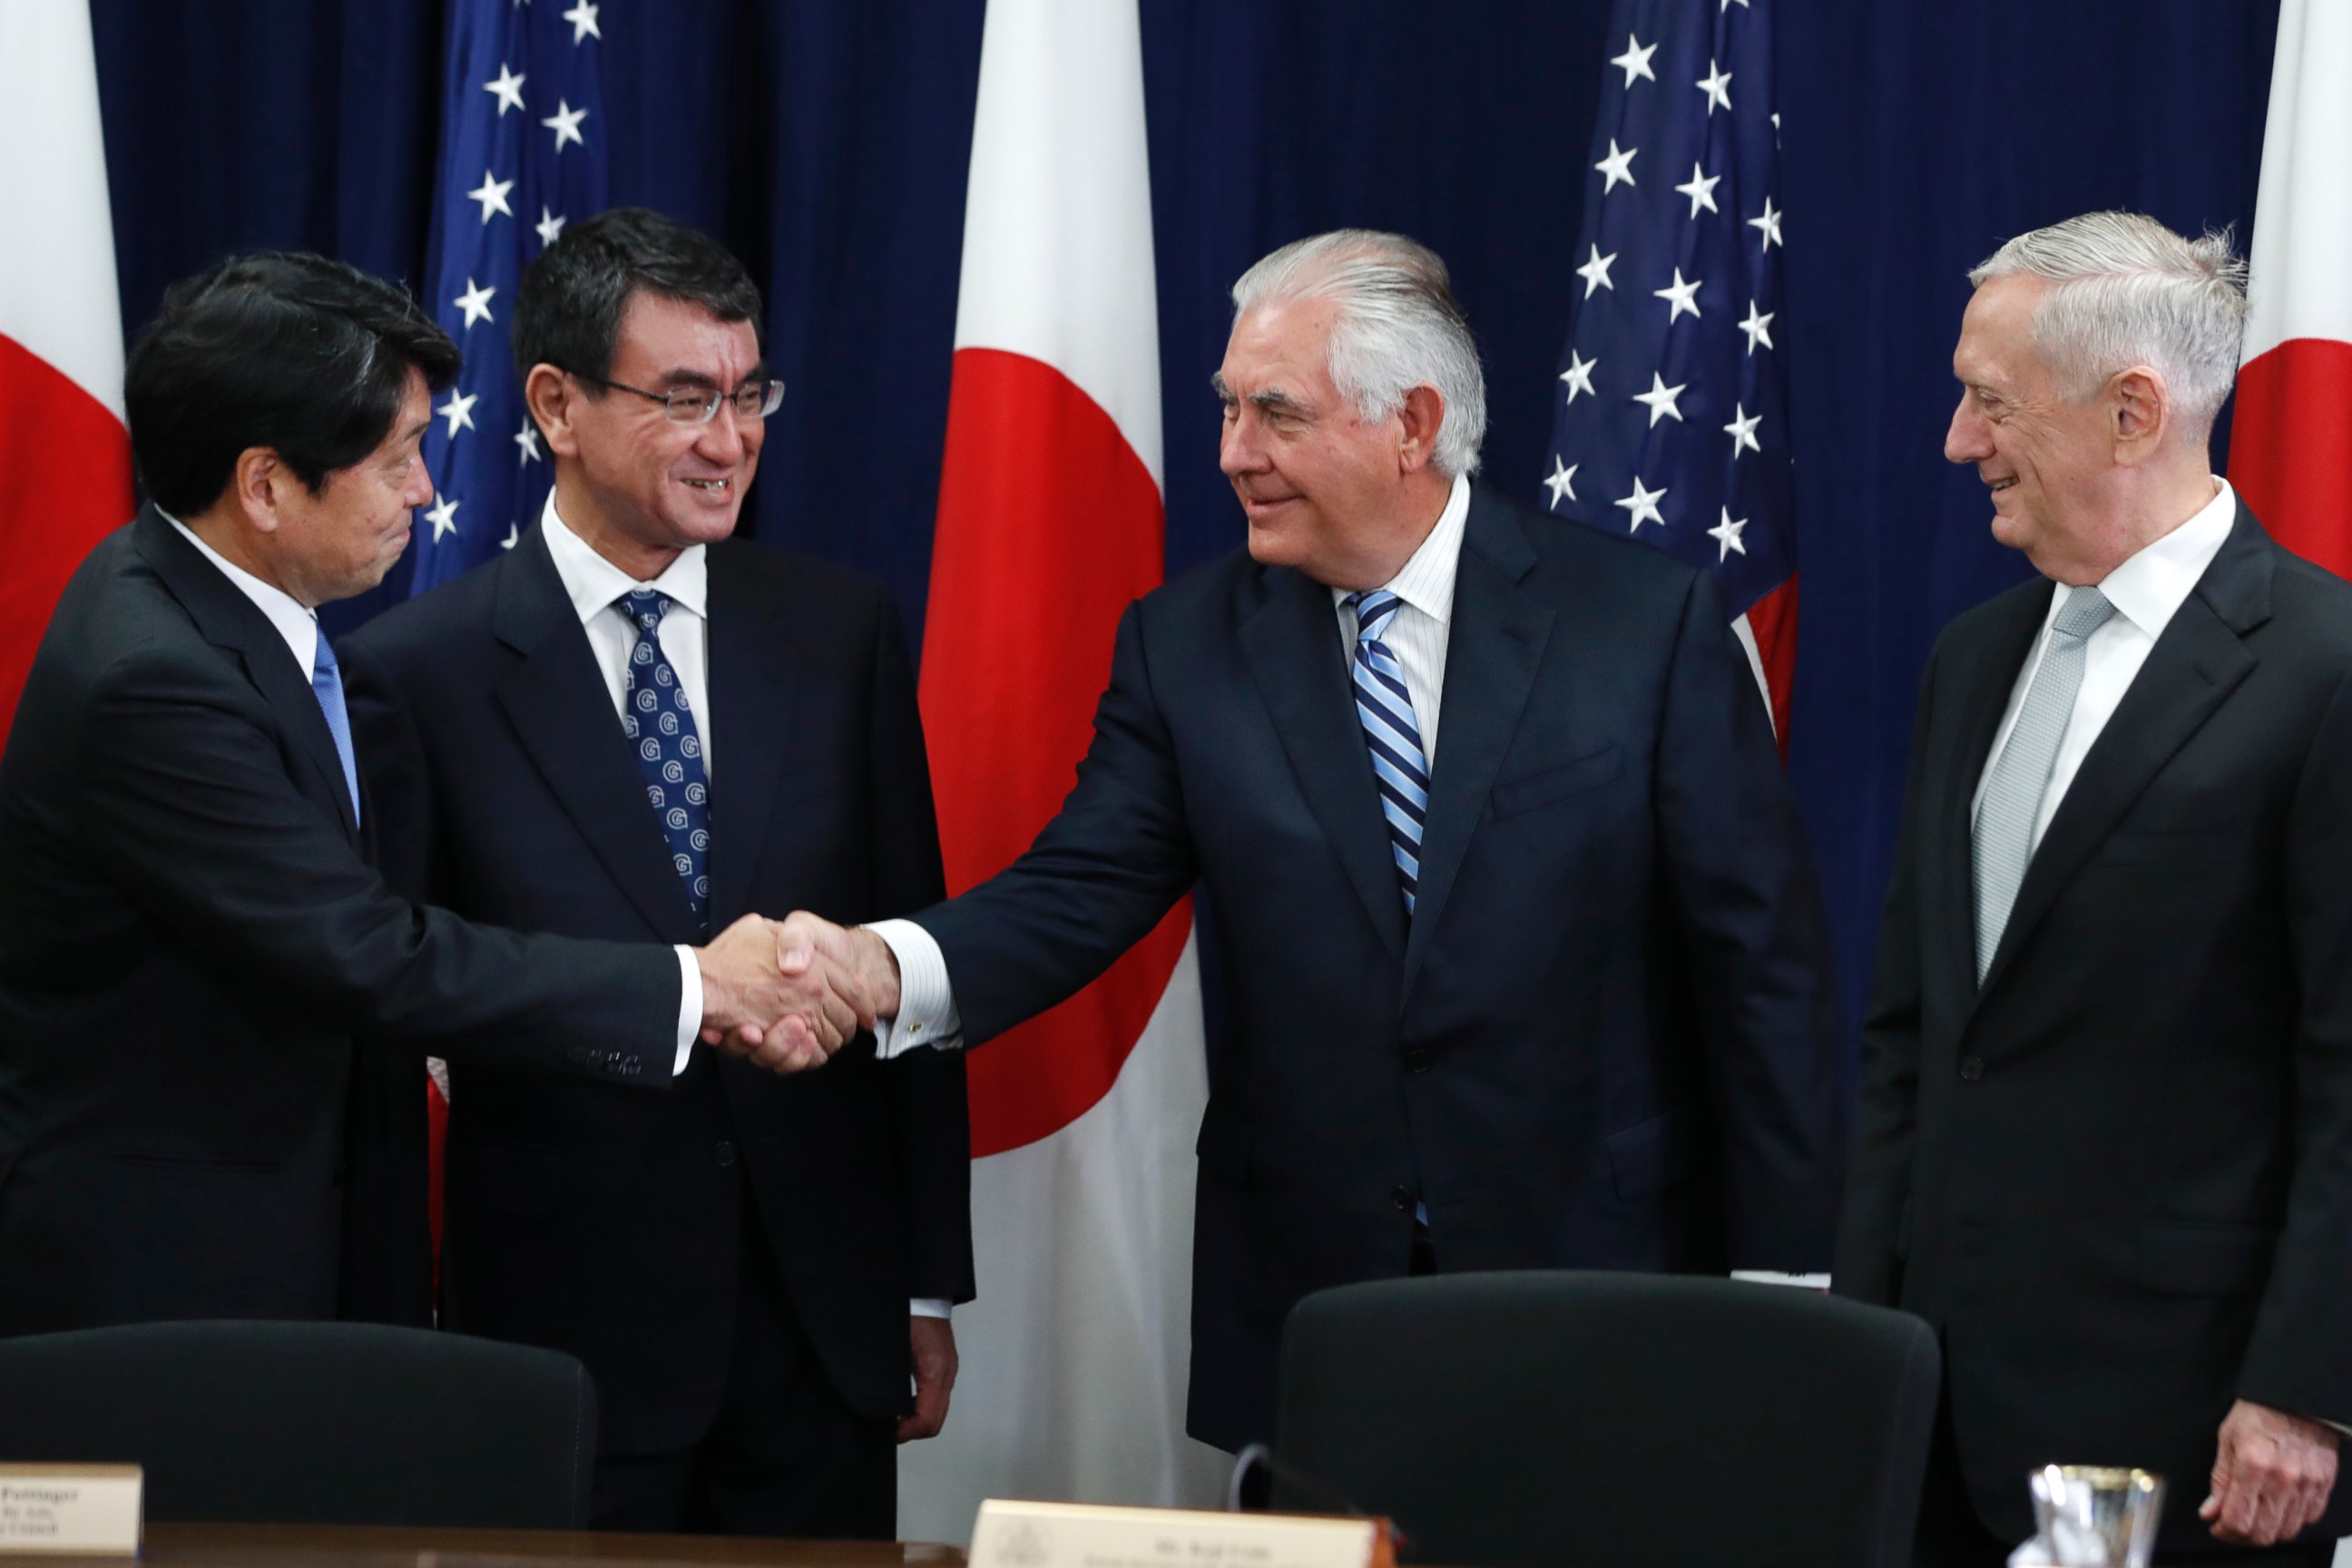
{"points": [[70, 1510], [1072, 1535]]}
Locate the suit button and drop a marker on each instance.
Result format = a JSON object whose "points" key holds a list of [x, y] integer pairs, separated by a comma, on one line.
{"points": [[1401, 1197], [726, 1154], [1971, 1068], [1416, 1058]]}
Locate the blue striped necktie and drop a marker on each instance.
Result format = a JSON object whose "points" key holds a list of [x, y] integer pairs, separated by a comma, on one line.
{"points": [[1384, 707]]}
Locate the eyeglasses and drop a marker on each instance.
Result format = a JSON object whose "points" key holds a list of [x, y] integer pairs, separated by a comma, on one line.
{"points": [[699, 405]]}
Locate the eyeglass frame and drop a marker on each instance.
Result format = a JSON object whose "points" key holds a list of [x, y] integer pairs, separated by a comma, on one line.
{"points": [[685, 397]]}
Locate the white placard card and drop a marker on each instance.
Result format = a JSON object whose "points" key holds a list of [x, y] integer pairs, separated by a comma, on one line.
{"points": [[1072, 1535], [73, 1510]]}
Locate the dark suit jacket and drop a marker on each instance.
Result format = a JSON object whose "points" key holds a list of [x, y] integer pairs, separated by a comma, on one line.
{"points": [[2117, 1178], [1606, 1040], [190, 935], [611, 1226]]}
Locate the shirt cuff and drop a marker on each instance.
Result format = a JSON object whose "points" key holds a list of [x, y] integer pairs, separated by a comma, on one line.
{"points": [[1773, 1276], [927, 1011], [689, 1007], [931, 1307]]}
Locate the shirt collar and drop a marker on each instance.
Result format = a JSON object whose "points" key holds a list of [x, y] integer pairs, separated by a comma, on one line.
{"points": [[1426, 581], [2152, 584], [295, 621], [591, 583]]}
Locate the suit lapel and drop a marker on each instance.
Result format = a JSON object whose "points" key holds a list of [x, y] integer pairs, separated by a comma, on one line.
{"points": [[1495, 645], [2189, 673], [1291, 639], [759, 680], [555, 698], [1985, 687], [230, 620]]}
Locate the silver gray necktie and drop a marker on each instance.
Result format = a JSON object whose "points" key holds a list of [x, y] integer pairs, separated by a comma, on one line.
{"points": [[2012, 800]]}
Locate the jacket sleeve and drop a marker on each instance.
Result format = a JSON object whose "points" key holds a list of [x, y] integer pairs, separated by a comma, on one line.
{"points": [[2299, 1359], [1741, 880], [1878, 1176], [1114, 858], [185, 798]]}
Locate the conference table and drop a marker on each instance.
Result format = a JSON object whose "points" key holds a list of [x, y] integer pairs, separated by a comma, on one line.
{"points": [[373, 1546]]}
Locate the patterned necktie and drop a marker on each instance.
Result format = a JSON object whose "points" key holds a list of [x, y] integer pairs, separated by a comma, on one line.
{"points": [[327, 686], [2021, 775], [1384, 707], [655, 717]]}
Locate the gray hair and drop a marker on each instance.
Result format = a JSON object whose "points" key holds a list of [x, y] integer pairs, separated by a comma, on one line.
{"points": [[1398, 327], [2127, 290]]}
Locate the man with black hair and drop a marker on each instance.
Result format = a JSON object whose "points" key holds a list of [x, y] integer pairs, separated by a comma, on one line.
{"points": [[190, 933], [738, 1261]]}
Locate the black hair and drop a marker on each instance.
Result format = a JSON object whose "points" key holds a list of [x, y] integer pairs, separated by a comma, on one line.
{"points": [[304, 356], [568, 310]]}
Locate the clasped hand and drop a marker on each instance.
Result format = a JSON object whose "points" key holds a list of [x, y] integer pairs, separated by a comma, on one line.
{"points": [[783, 994]]}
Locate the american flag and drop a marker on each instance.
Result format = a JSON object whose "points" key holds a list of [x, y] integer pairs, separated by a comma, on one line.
{"points": [[1672, 408], [522, 152]]}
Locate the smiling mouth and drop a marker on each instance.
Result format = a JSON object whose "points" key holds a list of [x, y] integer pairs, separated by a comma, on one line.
{"points": [[710, 486], [2000, 485]]}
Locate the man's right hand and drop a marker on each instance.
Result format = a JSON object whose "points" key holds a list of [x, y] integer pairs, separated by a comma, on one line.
{"points": [[771, 993]]}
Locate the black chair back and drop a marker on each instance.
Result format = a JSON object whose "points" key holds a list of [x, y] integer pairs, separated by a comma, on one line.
{"points": [[1614, 1420], [311, 1423]]}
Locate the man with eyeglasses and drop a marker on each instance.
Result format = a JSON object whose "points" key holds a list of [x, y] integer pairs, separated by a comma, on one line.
{"points": [[632, 725]]}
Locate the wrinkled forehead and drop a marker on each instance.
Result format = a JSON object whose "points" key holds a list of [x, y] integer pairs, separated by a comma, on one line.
{"points": [[1280, 347], [667, 341], [1996, 343]]}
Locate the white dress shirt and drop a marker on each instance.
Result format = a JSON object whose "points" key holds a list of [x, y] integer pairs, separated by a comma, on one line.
{"points": [[2146, 591]]}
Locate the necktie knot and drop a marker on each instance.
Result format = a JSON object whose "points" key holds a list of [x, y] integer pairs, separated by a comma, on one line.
{"points": [[646, 607], [2084, 612], [1375, 608]]}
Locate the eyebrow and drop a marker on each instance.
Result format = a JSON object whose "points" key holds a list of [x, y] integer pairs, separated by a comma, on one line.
{"points": [[680, 376], [1274, 400]]}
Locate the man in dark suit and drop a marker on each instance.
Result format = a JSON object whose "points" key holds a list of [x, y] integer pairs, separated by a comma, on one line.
{"points": [[734, 1261], [190, 931], [2104, 1141], [1542, 987]]}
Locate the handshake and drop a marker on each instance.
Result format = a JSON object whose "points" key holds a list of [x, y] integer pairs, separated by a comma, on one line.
{"points": [[786, 994]]}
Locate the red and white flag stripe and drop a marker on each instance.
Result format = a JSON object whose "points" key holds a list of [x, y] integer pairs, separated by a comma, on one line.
{"points": [[1049, 524], [65, 457], [2289, 453]]}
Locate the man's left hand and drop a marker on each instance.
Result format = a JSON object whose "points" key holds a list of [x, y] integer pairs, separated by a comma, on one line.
{"points": [[935, 1375], [2271, 1477]]}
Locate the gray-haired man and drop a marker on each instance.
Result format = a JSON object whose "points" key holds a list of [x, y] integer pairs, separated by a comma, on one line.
{"points": [[1542, 987], [2105, 1132]]}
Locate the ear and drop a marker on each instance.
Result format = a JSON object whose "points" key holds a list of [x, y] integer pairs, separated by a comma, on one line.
{"points": [[551, 398], [259, 485], [2140, 405], [1418, 418]]}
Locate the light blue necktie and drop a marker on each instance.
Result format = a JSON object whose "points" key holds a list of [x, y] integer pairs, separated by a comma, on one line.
{"points": [[327, 686], [2003, 840], [1384, 708]]}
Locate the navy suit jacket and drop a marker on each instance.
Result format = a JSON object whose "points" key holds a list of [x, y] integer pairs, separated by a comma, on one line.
{"points": [[1605, 1040], [191, 936], [611, 1226], [2117, 1175]]}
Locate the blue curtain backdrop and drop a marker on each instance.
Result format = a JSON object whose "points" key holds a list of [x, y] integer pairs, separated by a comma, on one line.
{"points": [[827, 140]]}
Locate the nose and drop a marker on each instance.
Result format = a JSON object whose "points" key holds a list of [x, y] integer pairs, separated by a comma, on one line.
{"points": [[724, 438], [1970, 439], [420, 487], [1239, 450]]}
